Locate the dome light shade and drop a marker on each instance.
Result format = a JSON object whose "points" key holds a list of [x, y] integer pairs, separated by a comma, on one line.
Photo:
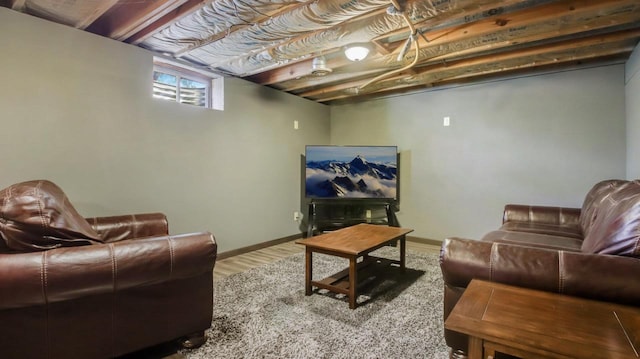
{"points": [[357, 52]]}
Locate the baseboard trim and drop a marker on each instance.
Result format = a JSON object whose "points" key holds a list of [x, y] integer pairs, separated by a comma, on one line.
{"points": [[255, 247], [433, 242]]}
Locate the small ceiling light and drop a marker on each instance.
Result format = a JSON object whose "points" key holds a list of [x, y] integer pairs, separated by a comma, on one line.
{"points": [[357, 52], [319, 66]]}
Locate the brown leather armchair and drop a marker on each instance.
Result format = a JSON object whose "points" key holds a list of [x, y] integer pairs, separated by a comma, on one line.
{"points": [[591, 252], [130, 287]]}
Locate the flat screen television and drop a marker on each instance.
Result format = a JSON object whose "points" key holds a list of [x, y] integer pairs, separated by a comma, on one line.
{"points": [[351, 172]]}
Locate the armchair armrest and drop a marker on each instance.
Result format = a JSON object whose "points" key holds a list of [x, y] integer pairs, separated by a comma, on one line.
{"points": [[540, 214], [62, 274], [117, 228], [595, 276]]}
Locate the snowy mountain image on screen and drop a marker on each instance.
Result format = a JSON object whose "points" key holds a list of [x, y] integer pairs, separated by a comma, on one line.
{"points": [[357, 178]]}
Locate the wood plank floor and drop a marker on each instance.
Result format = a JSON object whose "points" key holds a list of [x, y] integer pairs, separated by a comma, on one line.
{"points": [[243, 262]]}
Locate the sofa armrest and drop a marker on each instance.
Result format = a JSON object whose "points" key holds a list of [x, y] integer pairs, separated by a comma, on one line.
{"points": [[62, 274], [540, 214], [595, 276], [117, 228]]}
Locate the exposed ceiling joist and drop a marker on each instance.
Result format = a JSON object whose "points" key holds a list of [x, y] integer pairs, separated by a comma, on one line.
{"points": [[275, 42], [97, 13], [260, 18], [494, 35], [568, 51], [126, 19], [285, 74], [167, 19]]}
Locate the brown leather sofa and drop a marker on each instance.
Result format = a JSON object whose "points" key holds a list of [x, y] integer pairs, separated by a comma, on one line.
{"points": [[96, 288], [590, 252]]}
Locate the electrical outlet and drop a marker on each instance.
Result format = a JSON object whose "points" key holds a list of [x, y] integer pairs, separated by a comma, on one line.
{"points": [[297, 216], [446, 121], [296, 125]]}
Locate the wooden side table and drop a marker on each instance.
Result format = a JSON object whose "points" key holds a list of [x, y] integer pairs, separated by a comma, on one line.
{"points": [[535, 324]]}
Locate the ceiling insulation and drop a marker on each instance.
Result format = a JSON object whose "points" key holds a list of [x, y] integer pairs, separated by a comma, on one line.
{"points": [[299, 33], [212, 22], [278, 42], [310, 16]]}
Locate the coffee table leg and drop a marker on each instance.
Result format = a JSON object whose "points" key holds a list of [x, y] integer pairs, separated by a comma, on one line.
{"points": [[308, 272], [475, 348], [403, 251], [353, 280]]}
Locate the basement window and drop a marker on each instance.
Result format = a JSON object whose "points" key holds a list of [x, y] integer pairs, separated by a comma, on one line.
{"points": [[176, 82]]}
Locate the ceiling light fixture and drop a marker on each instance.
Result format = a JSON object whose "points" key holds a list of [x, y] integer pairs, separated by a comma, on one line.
{"points": [[357, 52], [319, 66]]}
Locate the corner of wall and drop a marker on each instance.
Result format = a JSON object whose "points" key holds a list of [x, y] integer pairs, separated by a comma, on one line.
{"points": [[632, 109], [632, 67]]}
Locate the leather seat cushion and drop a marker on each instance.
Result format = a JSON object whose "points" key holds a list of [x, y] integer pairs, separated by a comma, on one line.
{"points": [[37, 215], [544, 228], [534, 240]]}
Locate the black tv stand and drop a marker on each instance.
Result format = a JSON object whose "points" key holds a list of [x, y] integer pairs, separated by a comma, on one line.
{"points": [[329, 215]]}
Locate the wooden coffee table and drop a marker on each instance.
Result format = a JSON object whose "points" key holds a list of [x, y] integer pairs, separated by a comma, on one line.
{"points": [[351, 243], [535, 324]]}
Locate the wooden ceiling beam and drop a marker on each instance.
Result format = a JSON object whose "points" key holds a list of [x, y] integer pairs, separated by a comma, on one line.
{"points": [[472, 80], [471, 72], [100, 10], [302, 66], [478, 11], [166, 20], [538, 23], [591, 50], [297, 70], [127, 18], [542, 22], [341, 82], [555, 51], [311, 81], [465, 41], [502, 72], [563, 46], [524, 30], [484, 39], [291, 71]]}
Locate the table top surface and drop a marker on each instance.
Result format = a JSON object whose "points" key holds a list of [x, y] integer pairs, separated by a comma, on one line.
{"points": [[546, 322], [355, 240]]}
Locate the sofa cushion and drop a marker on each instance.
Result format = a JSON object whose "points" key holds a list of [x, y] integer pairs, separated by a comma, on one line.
{"points": [[534, 240], [544, 228], [37, 215], [593, 199], [616, 227]]}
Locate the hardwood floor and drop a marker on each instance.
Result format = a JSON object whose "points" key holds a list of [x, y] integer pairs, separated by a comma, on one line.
{"points": [[243, 262]]}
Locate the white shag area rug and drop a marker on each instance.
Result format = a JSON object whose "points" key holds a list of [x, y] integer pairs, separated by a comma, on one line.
{"points": [[263, 313]]}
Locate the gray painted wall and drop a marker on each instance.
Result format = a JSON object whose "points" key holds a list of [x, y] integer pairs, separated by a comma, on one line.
{"points": [[542, 139], [77, 109], [632, 92]]}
